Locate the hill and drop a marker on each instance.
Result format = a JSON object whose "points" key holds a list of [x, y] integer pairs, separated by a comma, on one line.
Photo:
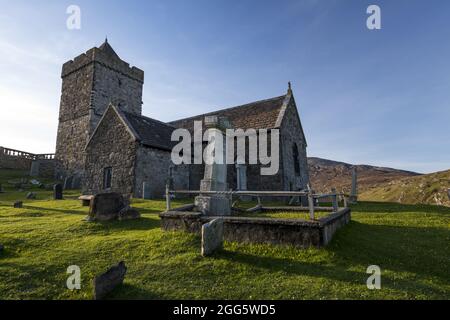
{"points": [[425, 189], [325, 174]]}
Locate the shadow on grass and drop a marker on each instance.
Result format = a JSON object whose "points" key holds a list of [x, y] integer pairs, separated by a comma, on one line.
{"points": [[337, 272], [78, 212], [138, 224], [131, 292], [420, 250]]}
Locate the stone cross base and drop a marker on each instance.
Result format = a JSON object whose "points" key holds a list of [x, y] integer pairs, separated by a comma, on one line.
{"points": [[213, 205]]}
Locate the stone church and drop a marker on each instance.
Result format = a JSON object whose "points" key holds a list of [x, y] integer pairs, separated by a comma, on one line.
{"points": [[104, 143]]}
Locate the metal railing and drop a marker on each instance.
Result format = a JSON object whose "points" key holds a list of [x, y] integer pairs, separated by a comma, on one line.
{"points": [[310, 194], [26, 155]]}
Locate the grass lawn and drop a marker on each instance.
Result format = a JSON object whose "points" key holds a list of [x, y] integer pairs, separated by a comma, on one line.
{"points": [[411, 244], [285, 214]]}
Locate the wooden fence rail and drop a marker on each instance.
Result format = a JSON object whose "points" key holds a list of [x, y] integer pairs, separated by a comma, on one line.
{"points": [[310, 194]]}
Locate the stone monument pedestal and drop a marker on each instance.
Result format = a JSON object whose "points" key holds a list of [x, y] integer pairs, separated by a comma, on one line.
{"points": [[213, 205], [215, 177]]}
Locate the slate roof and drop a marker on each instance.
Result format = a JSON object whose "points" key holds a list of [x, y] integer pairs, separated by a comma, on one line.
{"points": [[262, 114], [150, 132], [106, 48]]}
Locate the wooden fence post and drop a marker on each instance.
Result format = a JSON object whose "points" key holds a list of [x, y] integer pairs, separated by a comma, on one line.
{"points": [[334, 200], [311, 204], [168, 205]]}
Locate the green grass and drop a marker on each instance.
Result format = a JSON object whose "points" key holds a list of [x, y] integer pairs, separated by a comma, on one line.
{"points": [[285, 214], [411, 244]]}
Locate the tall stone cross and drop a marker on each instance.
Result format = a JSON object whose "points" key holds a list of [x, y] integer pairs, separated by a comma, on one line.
{"points": [[215, 177]]}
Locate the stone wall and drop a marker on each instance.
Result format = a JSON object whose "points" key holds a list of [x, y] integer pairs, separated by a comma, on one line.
{"points": [[74, 116], [112, 146], [14, 162], [89, 83], [44, 168], [300, 233], [120, 89], [152, 167], [291, 133]]}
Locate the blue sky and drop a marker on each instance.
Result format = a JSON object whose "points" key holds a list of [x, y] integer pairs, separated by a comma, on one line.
{"points": [[377, 97]]}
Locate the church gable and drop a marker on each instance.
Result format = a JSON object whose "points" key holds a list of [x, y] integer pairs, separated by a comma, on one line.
{"points": [[111, 151]]}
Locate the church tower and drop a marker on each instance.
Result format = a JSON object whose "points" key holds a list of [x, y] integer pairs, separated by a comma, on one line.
{"points": [[90, 82]]}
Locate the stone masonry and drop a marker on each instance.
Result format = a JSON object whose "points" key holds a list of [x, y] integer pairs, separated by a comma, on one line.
{"points": [[90, 82], [102, 129]]}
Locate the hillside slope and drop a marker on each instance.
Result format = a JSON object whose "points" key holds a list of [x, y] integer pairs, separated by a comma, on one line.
{"points": [[326, 174], [424, 189]]}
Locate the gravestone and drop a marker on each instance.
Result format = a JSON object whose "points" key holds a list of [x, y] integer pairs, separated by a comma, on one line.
{"points": [[68, 183], [106, 206], [354, 192], [111, 206], [31, 196], [241, 183], [212, 236], [57, 192], [146, 193], [215, 176], [128, 213], [76, 182], [448, 193], [18, 204], [106, 282]]}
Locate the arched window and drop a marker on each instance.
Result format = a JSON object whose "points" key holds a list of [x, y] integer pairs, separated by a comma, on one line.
{"points": [[296, 160]]}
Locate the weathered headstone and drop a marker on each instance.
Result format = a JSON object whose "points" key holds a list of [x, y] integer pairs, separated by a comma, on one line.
{"points": [[128, 213], [18, 204], [448, 193], [212, 236], [111, 206], [241, 183], [354, 192], [57, 192], [76, 182], [106, 282], [31, 196], [215, 177], [146, 190], [106, 206], [68, 183]]}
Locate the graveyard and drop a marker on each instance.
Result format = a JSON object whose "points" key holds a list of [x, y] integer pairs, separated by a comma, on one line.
{"points": [[40, 240]]}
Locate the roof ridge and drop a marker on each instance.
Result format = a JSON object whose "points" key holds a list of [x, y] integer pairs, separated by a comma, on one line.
{"points": [[230, 108], [148, 118]]}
